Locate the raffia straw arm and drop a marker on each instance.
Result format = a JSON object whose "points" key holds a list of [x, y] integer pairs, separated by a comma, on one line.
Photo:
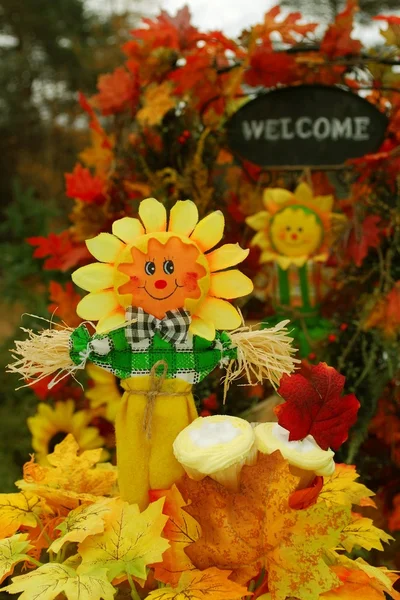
{"points": [[261, 354], [43, 354]]}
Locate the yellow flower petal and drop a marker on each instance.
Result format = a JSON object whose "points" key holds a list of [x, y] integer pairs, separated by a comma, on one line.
{"points": [[100, 376], [127, 229], [230, 284], [303, 193], [203, 329], [183, 217], [209, 231], [324, 203], [259, 221], [153, 215], [110, 321], [275, 197], [219, 312], [97, 304], [226, 256], [268, 256], [261, 240], [105, 247], [94, 277]]}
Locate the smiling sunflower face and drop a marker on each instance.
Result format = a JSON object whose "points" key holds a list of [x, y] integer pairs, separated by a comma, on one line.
{"points": [[162, 274], [296, 231], [294, 227], [160, 264]]}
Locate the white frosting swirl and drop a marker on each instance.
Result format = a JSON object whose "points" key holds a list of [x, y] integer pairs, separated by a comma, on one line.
{"points": [[211, 444], [305, 454]]}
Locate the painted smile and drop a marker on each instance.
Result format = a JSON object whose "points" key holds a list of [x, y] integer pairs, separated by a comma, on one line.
{"points": [[299, 243], [163, 297]]}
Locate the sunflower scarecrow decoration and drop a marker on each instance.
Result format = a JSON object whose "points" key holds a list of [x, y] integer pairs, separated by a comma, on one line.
{"points": [[159, 293], [295, 234]]}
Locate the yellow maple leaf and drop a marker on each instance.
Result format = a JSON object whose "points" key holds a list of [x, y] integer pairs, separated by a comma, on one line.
{"points": [[211, 584], [342, 488], [99, 155], [81, 522], [71, 478], [181, 530], [12, 551], [157, 101], [363, 533], [131, 540], [255, 528], [17, 509], [52, 579]]}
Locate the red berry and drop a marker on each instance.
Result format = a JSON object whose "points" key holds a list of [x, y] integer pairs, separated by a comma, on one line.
{"points": [[211, 402], [205, 413], [343, 327], [312, 356], [332, 337], [181, 139], [186, 134]]}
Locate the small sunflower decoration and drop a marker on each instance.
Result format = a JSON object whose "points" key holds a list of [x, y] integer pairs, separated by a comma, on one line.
{"points": [[50, 425], [105, 393], [162, 266], [294, 228]]}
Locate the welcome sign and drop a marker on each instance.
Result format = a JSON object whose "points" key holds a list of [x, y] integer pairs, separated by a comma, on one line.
{"points": [[306, 125]]}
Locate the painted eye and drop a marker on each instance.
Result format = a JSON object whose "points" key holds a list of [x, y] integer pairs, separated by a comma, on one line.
{"points": [[168, 267], [288, 228], [150, 267], [299, 229]]}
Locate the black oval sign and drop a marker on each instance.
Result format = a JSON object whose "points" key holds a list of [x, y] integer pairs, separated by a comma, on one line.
{"points": [[306, 125]]}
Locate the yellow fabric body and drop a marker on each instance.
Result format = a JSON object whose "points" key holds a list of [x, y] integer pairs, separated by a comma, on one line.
{"points": [[146, 464]]}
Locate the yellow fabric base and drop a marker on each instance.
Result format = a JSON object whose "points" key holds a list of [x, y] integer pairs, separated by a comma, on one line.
{"points": [[145, 464]]}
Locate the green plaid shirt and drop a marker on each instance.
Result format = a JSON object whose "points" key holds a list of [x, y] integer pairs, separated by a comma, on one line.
{"points": [[190, 361]]}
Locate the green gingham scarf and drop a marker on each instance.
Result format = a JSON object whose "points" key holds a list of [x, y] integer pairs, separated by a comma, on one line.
{"points": [[190, 360]]}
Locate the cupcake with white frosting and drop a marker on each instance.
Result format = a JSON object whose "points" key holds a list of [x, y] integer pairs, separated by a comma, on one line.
{"points": [[217, 447], [304, 454]]}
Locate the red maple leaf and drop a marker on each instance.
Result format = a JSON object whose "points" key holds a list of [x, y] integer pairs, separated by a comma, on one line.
{"points": [[300, 499], [118, 91], [391, 19], [359, 243], [269, 68], [314, 406], [60, 251], [83, 185], [337, 40], [94, 121], [393, 304]]}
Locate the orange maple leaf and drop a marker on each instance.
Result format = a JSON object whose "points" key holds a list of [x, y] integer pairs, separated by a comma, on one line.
{"points": [[286, 27], [60, 251], [64, 303], [118, 91], [255, 528], [337, 40], [394, 519], [181, 530], [385, 314], [358, 584]]}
